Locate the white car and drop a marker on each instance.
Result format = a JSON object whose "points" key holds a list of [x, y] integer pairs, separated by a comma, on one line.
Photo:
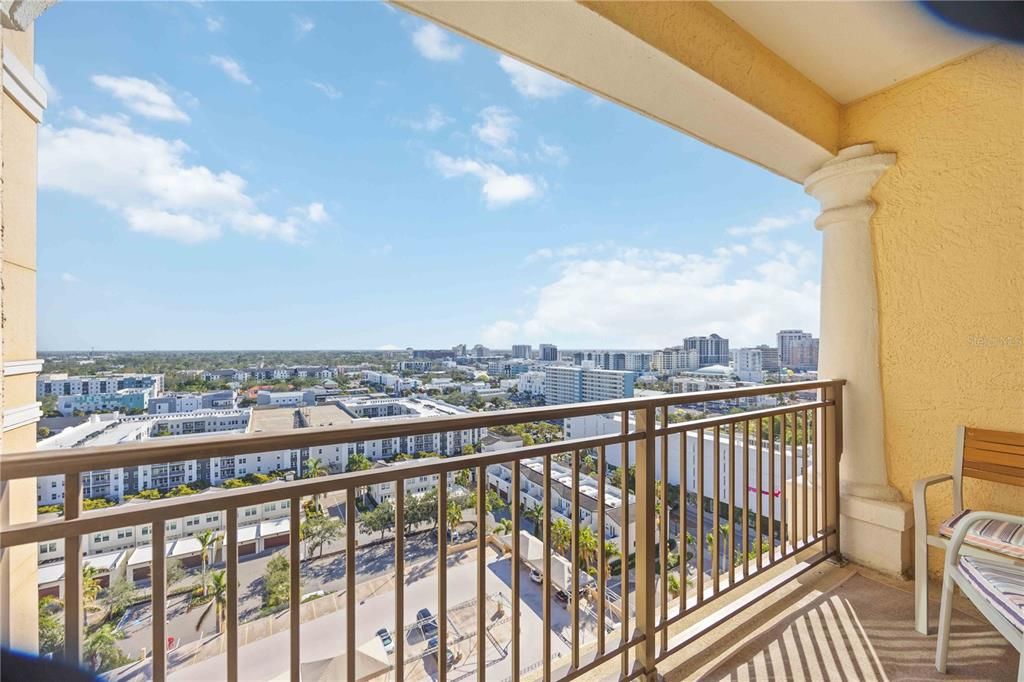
{"points": [[536, 576], [387, 640]]}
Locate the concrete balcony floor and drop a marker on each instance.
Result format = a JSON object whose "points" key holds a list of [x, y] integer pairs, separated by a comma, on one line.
{"points": [[843, 623]]}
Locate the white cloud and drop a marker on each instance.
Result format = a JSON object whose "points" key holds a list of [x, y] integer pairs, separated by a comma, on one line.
{"points": [[530, 82], [231, 68], [388, 346], [431, 123], [497, 127], [303, 25], [552, 153], [52, 96], [435, 44], [499, 188], [147, 180], [329, 90], [316, 213], [68, 278], [641, 298], [773, 223], [214, 24], [142, 97]]}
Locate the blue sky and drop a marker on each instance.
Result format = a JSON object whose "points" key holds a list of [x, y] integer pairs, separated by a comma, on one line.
{"points": [[343, 175]]}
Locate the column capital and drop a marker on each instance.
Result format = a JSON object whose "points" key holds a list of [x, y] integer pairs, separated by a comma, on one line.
{"points": [[19, 14], [843, 185]]}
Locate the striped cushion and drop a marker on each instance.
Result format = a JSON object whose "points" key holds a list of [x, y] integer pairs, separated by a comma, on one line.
{"points": [[1002, 584], [995, 536]]}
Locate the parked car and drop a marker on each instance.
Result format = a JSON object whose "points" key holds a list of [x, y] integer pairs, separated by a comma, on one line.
{"points": [[449, 658], [385, 638], [562, 596], [428, 624], [536, 576]]}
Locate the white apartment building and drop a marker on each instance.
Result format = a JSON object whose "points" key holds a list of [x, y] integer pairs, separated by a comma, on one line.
{"points": [[596, 425], [391, 382], [675, 359], [285, 398], [531, 487], [59, 384], [414, 485], [132, 537], [570, 384], [748, 364], [111, 429], [532, 383]]}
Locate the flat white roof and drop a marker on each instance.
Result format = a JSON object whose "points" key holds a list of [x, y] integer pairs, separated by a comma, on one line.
{"points": [[275, 527], [185, 546], [105, 562], [50, 573]]}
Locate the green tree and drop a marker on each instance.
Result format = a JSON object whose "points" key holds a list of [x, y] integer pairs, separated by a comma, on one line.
{"points": [[90, 591], [536, 516], [174, 571], [453, 515], [276, 582], [503, 527], [51, 626], [101, 649], [208, 540], [561, 535], [359, 462], [588, 546], [318, 530], [611, 552], [219, 603], [462, 478], [314, 469], [380, 520], [118, 597]]}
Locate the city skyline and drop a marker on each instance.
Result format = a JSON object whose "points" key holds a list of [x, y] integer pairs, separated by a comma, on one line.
{"points": [[381, 182]]}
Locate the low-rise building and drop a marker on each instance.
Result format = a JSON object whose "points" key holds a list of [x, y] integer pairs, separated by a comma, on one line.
{"points": [[532, 484], [59, 384]]}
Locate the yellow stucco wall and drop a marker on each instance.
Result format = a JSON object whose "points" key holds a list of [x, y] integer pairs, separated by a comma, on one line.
{"points": [[948, 239], [705, 39]]}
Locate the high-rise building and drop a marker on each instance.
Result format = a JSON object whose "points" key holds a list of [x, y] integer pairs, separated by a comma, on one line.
{"points": [[711, 350], [521, 351], [572, 384], [797, 349], [769, 358], [638, 362], [748, 363], [675, 359], [548, 352], [459, 350]]}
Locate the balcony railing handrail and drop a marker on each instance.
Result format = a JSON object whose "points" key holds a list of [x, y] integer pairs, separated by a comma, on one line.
{"points": [[32, 463], [235, 498]]}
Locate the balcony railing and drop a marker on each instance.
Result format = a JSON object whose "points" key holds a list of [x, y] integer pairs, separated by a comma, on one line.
{"points": [[772, 497]]}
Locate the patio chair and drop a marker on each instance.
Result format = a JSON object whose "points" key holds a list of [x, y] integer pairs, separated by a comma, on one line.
{"points": [[990, 455], [996, 588]]}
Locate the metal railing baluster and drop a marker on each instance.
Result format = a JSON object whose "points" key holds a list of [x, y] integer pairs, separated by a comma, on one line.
{"points": [[231, 566]]}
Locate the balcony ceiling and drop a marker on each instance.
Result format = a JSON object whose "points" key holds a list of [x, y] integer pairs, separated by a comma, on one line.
{"points": [[852, 49]]}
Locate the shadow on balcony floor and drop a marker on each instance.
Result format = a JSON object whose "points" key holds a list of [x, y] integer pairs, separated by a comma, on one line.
{"points": [[863, 629]]}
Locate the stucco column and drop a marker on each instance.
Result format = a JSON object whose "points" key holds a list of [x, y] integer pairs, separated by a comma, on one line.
{"points": [[850, 350]]}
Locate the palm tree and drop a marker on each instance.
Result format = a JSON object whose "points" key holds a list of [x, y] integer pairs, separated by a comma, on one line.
{"points": [[587, 545], [611, 551], [90, 591], [314, 469], [101, 647], [453, 515], [207, 540], [535, 515], [503, 527], [219, 603], [561, 535]]}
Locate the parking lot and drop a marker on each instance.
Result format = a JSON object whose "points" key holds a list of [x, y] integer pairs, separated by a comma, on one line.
{"points": [[324, 637]]}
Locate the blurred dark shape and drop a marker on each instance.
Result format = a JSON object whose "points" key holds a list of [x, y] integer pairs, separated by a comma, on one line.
{"points": [[999, 19], [16, 666]]}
